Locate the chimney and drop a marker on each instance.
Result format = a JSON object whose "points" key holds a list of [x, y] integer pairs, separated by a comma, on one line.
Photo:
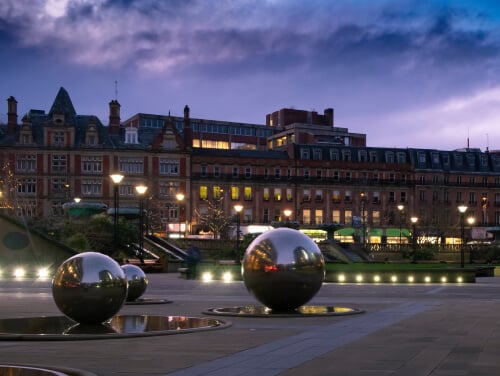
{"points": [[329, 115], [188, 132], [114, 117], [11, 115]]}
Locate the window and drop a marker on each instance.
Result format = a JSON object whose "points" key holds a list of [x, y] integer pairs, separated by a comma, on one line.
{"points": [[204, 171], [422, 179], [277, 194], [131, 135], [59, 139], [472, 198], [376, 197], [373, 157], [247, 193], [306, 216], [389, 157], [289, 174], [334, 154], [248, 172], [319, 195], [265, 218], [348, 176], [318, 216], [459, 180], [421, 195], [59, 165], [169, 166], [26, 187], [362, 155], [91, 165], [336, 197], [401, 158], [392, 197], [235, 192], [136, 166], [203, 192], [266, 173], [277, 173], [235, 172], [307, 174], [56, 208], [216, 171], [376, 217], [336, 216], [304, 153], [28, 209], [217, 192], [336, 175], [289, 194], [403, 196], [25, 162], [348, 216], [346, 155], [91, 187], [306, 195], [319, 174], [347, 196], [265, 194], [59, 185], [317, 154]]}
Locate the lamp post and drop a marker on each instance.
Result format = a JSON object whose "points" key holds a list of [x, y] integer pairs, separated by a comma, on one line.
{"points": [[116, 178], [462, 209], [141, 189], [363, 219], [414, 221], [238, 208], [400, 208], [471, 220], [179, 196]]}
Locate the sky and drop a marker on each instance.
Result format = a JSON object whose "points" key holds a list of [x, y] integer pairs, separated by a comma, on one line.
{"points": [[407, 73]]}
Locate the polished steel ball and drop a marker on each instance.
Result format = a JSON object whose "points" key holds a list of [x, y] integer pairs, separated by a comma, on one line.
{"points": [[283, 269], [89, 288], [137, 281]]}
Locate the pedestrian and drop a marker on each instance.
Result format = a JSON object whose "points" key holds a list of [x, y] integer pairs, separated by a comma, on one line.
{"points": [[192, 259]]}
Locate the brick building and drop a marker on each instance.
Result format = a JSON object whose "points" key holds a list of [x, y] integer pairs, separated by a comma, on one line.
{"points": [[298, 161]]}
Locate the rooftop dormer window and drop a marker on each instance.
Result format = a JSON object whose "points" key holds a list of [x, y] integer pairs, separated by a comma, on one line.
{"points": [[131, 135]]}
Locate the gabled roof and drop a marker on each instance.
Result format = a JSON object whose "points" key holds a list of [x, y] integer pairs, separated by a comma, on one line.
{"points": [[63, 105]]}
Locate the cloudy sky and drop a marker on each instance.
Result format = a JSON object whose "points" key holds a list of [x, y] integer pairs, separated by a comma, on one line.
{"points": [[408, 73]]}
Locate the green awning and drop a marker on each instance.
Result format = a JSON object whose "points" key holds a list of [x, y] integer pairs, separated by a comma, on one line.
{"points": [[394, 232], [347, 231], [390, 232]]}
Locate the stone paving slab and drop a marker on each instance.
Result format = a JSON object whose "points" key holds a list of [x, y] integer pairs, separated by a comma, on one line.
{"points": [[406, 330]]}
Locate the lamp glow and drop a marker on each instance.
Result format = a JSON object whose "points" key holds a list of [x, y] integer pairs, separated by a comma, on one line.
{"points": [[19, 272], [207, 277], [227, 277]]}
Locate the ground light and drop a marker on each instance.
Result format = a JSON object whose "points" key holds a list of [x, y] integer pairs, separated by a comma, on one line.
{"points": [[207, 277], [19, 272], [43, 273], [227, 277]]}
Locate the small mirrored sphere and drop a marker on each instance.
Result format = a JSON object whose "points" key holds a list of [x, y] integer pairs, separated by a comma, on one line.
{"points": [[89, 288], [283, 268], [137, 281]]}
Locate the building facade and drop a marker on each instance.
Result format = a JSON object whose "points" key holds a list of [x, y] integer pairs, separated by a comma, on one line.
{"points": [[297, 167]]}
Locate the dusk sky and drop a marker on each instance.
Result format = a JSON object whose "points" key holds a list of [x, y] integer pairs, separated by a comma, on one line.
{"points": [[408, 73]]}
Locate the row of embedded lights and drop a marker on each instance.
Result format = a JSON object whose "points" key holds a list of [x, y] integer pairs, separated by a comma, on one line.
{"points": [[228, 277], [394, 279], [20, 272]]}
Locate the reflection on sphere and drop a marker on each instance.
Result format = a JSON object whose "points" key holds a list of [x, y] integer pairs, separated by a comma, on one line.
{"points": [[89, 288], [137, 281], [283, 268]]}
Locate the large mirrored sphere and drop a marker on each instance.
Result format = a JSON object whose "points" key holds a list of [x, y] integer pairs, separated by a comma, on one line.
{"points": [[137, 281], [283, 269], [89, 288]]}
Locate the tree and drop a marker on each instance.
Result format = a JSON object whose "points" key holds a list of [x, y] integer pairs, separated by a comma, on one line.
{"points": [[214, 219]]}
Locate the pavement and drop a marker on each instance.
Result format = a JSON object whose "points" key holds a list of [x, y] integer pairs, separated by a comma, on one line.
{"points": [[421, 329]]}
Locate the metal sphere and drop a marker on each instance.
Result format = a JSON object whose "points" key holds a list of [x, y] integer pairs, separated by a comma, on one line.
{"points": [[89, 288], [283, 269], [137, 281]]}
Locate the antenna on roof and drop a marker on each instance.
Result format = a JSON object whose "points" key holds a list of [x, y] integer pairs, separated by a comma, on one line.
{"points": [[487, 142], [116, 90], [468, 138]]}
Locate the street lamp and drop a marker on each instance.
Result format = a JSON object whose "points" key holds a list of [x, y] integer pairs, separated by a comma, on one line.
{"points": [[141, 190], [238, 208], [180, 197], [414, 221], [471, 220], [462, 209], [287, 213], [363, 219], [77, 200], [400, 208], [116, 178]]}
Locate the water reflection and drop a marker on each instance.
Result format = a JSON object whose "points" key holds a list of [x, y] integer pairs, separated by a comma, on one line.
{"points": [[311, 310], [61, 327]]}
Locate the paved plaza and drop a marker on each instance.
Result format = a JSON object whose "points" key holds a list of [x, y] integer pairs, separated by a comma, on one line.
{"points": [[434, 329]]}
